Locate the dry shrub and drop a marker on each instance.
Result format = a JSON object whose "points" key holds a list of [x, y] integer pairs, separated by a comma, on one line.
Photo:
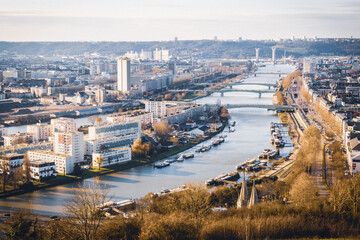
{"points": [[272, 227], [126, 229], [169, 227]]}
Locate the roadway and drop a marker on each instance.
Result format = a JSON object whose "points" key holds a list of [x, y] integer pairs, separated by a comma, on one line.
{"points": [[313, 117]]}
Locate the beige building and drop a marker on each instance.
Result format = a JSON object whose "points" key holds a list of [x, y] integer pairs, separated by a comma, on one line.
{"points": [[19, 138], [63, 124], [41, 130]]}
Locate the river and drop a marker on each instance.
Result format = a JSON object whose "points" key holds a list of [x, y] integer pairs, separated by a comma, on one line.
{"points": [[251, 136]]}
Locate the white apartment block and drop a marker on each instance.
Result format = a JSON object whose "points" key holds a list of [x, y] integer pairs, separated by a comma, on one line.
{"points": [[143, 117], [63, 125], [19, 138], [11, 160], [9, 74], [174, 110], [158, 108], [114, 156], [99, 145], [112, 130], [179, 117], [64, 163], [70, 143], [23, 148], [309, 65], [162, 55], [40, 170], [123, 81], [41, 130], [3, 130]]}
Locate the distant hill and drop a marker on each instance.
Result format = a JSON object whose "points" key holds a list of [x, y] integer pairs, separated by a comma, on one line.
{"points": [[207, 48]]}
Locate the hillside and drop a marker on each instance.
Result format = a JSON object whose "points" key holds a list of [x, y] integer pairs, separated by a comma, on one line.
{"points": [[207, 48]]}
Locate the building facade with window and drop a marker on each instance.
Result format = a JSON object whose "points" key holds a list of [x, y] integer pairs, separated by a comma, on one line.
{"points": [[40, 170], [64, 163], [114, 156]]}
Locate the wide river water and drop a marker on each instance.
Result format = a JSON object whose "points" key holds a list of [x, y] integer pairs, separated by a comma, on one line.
{"points": [[251, 136]]}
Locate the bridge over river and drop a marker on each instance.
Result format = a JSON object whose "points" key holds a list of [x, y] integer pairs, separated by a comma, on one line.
{"points": [[250, 84], [279, 108], [222, 91]]}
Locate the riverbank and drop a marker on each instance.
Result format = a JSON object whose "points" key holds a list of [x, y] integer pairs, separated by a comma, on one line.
{"points": [[90, 173]]}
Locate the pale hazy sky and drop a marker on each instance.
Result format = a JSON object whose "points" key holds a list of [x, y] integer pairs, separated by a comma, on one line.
{"points": [[137, 20]]}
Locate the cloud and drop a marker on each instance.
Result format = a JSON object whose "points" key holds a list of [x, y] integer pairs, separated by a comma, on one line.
{"points": [[162, 5], [23, 12], [165, 21]]}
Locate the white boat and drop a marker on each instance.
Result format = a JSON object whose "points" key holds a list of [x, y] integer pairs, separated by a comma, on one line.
{"points": [[162, 164], [180, 158], [190, 155], [250, 161]]}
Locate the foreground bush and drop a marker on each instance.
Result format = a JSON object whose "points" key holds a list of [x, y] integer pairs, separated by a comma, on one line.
{"points": [[169, 227]]}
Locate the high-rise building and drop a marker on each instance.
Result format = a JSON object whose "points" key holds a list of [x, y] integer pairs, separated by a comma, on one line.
{"points": [[257, 54], [309, 65], [41, 130], [172, 67], [123, 69], [273, 54], [100, 95], [70, 144], [162, 55], [63, 124], [158, 108], [146, 54]]}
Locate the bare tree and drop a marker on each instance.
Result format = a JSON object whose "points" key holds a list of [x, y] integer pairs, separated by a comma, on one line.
{"points": [[162, 130], [84, 209], [99, 161], [26, 165], [303, 190], [20, 140], [5, 175], [21, 225], [224, 113], [98, 120], [17, 176]]}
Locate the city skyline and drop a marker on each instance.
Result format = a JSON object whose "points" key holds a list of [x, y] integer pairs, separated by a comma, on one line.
{"points": [[141, 20]]}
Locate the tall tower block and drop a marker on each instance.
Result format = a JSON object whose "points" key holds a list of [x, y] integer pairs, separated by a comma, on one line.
{"points": [[257, 54], [123, 81], [273, 54]]}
